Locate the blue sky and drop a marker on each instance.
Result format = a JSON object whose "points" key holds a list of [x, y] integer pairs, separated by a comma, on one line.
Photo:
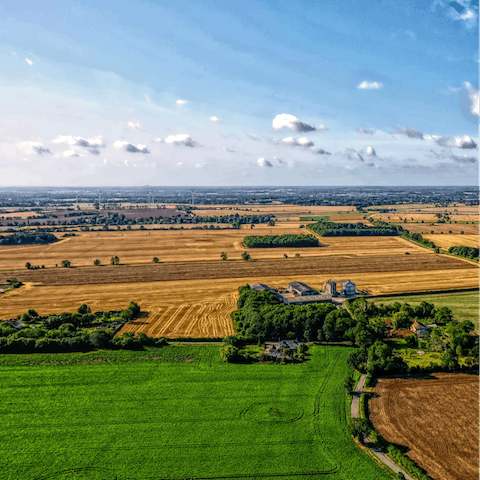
{"points": [[213, 93]]}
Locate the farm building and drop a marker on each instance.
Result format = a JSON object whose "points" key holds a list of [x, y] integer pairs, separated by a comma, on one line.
{"points": [[419, 328], [330, 287], [306, 299], [299, 288], [349, 288], [260, 287]]}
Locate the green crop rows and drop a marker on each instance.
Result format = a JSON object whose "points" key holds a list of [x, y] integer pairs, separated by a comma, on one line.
{"points": [[178, 416]]}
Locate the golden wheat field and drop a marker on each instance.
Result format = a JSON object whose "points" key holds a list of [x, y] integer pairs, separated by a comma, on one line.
{"points": [[418, 217], [447, 241], [442, 228], [140, 246], [201, 306]]}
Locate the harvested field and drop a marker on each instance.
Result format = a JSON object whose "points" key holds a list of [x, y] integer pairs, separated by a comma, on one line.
{"points": [[436, 418], [206, 303], [447, 241], [140, 246], [339, 267], [442, 228], [426, 217]]}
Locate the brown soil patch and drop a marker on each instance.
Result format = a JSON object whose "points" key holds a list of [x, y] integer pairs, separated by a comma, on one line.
{"points": [[442, 228], [436, 418]]}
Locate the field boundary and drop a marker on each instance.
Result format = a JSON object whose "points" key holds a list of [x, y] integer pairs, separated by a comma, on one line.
{"points": [[424, 292], [359, 410]]}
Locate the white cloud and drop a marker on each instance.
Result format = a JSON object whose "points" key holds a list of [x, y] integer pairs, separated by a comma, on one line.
{"points": [[409, 132], [158, 140], [301, 142], [365, 131], [91, 144], [459, 142], [474, 99], [264, 163], [29, 61], [29, 147], [70, 153], [369, 151], [181, 102], [369, 85], [215, 119], [183, 139], [134, 125], [129, 147], [285, 120]]}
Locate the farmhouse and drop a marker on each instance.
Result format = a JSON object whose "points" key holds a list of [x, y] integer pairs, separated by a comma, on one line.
{"points": [[330, 287], [348, 288], [260, 287], [419, 328]]}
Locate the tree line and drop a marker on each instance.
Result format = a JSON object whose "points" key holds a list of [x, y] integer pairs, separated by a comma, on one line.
{"points": [[466, 252], [332, 229], [25, 238], [72, 332], [274, 241]]}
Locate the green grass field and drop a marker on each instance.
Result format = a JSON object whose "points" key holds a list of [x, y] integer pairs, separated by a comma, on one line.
{"points": [[464, 305], [177, 414]]}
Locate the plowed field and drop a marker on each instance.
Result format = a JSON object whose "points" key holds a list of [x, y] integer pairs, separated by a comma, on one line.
{"points": [[436, 418], [438, 228]]}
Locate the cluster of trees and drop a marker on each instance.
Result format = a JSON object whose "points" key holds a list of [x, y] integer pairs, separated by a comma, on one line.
{"points": [[233, 351], [69, 332], [450, 337], [417, 237], [466, 252], [273, 241], [401, 314], [332, 229], [25, 238], [14, 283], [260, 315]]}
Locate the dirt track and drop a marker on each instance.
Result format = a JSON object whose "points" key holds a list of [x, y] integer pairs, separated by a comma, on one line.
{"points": [[436, 418], [338, 267]]}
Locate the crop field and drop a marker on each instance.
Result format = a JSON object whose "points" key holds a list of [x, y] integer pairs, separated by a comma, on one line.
{"points": [[447, 241], [464, 305], [436, 418], [201, 307], [441, 228], [426, 217], [187, 417], [140, 246]]}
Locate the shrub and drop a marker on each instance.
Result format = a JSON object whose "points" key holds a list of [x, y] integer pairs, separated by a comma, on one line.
{"points": [[155, 260], [96, 262]]}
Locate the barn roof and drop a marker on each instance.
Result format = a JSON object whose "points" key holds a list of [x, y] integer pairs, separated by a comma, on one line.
{"points": [[301, 287]]}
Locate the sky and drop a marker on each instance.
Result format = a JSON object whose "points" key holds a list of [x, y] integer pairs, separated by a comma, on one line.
{"points": [[125, 93]]}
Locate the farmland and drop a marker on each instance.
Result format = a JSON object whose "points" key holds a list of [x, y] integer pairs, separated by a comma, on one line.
{"points": [[442, 228], [447, 241], [140, 246], [201, 307], [464, 305], [435, 417], [193, 418]]}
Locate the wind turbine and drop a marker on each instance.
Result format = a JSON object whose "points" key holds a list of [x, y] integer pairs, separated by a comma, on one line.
{"points": [[99, 199], [76, 200], [193, 192]]}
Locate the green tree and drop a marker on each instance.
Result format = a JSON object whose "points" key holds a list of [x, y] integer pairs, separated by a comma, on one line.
{"points": [[28, 265], [401, 321], [83, 309], [349, 384], [96, 262], [229, 354], [114, 260], [223, 255], [359, 428], [246, 256], [66, 264], [155, 260]]}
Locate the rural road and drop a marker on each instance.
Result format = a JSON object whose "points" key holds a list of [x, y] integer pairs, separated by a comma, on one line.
{"points": [[355, 413]]}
